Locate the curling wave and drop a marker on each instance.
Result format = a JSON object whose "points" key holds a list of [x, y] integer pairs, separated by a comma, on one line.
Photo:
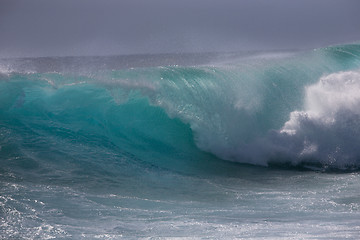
{"points": [[295, 108]]}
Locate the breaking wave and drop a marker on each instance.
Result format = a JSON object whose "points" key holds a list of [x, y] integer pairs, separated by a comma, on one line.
{"points": [[298, 109]]}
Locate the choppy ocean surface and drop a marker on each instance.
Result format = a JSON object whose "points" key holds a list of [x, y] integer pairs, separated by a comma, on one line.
{"points": [[216, 146]]}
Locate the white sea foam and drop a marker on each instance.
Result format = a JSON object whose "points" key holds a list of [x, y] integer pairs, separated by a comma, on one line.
{"points": [[328, 128], [338, 92]]}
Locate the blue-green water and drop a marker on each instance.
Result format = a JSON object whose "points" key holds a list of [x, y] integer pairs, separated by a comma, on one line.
{"points": [[262, 145]]}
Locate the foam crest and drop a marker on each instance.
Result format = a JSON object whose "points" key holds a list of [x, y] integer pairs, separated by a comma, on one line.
{"points": [[328, 129]]}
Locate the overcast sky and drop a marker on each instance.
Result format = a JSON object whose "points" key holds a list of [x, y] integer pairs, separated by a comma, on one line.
{"points": [[103, 27]]}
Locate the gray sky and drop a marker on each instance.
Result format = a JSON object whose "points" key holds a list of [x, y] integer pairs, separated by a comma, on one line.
{"points": [[103, 27]]}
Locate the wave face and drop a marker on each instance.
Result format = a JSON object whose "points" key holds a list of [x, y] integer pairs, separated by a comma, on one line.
{"points": [[300, 109]]}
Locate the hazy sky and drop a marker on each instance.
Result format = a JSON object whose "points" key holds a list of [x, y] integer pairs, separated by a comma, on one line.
{"points": [[102, 27]]}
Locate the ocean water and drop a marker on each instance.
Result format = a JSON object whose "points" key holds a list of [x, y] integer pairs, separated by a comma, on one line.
{"points": [[262, 145]]}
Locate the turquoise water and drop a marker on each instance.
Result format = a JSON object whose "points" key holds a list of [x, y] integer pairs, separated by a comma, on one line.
{"points": [[262, 145]]}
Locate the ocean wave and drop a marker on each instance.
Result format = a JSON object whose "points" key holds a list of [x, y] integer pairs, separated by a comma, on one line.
{"points": [[297, 109]]}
